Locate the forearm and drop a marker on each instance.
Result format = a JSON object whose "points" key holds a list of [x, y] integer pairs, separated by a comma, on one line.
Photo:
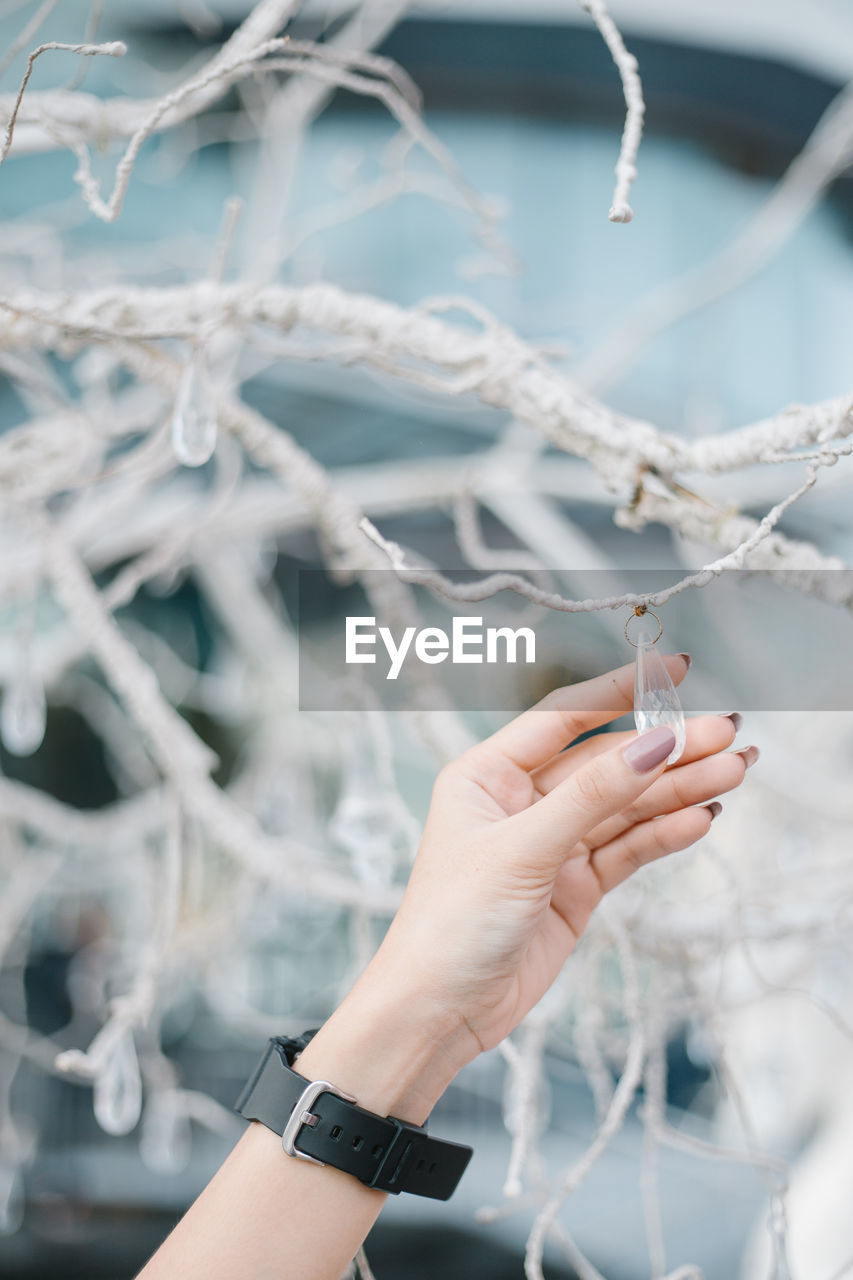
{"points": [[268, 1216], [522, 839]]}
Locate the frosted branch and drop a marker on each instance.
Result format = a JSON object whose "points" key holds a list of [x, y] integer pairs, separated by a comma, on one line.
{"points": [[635, 108], [825, 157], [112, 49]]}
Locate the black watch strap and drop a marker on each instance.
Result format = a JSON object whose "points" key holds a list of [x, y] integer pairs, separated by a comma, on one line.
{"points": [[319, 1122]]}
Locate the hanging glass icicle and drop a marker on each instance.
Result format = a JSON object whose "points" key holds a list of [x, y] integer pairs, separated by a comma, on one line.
{"points": [[23, 713], [118, 1089], [655, 699], [11, 1199], [194, 427], [363, 823], [165, 1143]]}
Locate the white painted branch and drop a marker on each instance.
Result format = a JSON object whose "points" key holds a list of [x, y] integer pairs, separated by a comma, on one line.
{"points": [[635, 109], [49, 118], [502, 370], [826, 155]]}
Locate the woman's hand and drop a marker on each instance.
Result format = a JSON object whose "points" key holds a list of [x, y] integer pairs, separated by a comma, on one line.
{"points": [[524, 838]]}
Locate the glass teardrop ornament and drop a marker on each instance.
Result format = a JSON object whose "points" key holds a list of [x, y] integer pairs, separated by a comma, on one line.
{"points": [[194, 428], [23, 715], [11, 1199], [118, 1089], [165, 1143], [655, 700], [526, 1102], [363, 825]]}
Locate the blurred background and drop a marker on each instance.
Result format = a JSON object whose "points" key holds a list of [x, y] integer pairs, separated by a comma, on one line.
{"points": [[755, 1040]]}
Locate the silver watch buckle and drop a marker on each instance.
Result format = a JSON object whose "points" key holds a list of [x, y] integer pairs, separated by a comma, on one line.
{"points": [[302, 1116]]}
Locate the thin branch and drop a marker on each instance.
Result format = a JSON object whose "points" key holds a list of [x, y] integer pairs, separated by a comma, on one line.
{"points": [[112, 49], [635, 109]]}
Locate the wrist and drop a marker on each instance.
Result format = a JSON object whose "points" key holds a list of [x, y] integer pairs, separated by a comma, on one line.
{"points": [[395, 1050]]}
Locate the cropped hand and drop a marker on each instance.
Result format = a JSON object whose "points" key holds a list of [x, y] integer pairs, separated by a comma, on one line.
{"points": [[524, 837]]}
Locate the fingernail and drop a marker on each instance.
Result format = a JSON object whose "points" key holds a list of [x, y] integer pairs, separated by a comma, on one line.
{"points": [[687, 658], [646, 752], [735, 717], [750, 755], [714, 808]]}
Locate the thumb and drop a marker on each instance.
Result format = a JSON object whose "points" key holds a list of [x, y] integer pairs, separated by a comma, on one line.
{"points": [[600, 788]]}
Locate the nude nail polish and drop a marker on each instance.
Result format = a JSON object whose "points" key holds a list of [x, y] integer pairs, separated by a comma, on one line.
{"points": [[687, 658], [649, 750], [714, 808], [736, 719], [750, 755]]}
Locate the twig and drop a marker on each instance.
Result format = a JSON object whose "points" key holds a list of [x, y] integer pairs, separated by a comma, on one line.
{"points": [[635, 109]]}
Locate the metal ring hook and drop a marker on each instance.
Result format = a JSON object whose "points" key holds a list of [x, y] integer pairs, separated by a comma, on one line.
{"points": [[640, 611]]}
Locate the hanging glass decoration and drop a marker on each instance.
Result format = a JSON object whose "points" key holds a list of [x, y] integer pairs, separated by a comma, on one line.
{"points": [[23, 714], [194, 426], [363, 823], [655, 699], [165, 1143], [118, 1089], [11, 1199]]}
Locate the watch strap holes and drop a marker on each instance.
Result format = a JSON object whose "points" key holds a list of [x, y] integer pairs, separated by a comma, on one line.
{"points": [[335, 1132], [377, 1151], [357, 1143]]}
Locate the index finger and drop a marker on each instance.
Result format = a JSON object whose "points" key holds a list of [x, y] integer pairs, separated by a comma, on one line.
{"points": [[536, 735]]}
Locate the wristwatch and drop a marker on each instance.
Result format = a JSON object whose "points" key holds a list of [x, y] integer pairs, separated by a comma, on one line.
{"points": [[320, 1123]]}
